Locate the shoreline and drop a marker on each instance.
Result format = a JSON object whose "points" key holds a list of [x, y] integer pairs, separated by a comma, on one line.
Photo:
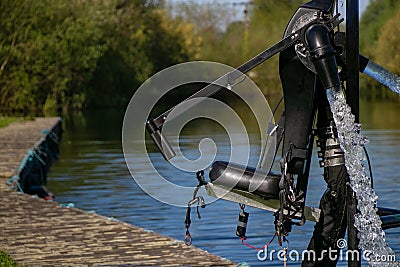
{"points": [[39, 233]]}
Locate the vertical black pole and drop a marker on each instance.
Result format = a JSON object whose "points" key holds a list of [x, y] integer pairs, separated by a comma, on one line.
{"points": [[352, 56], [353, 99]]}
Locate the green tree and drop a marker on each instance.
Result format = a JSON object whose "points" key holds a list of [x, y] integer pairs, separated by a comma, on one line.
{"points": [[58, 54], [233, 42], [142, 40], [373, 19], [54, 49], [209, 21], [267, 25], [379, 41]]}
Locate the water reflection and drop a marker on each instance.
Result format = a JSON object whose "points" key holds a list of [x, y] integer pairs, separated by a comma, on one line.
{"points": [[380, 115], [92, 174]]}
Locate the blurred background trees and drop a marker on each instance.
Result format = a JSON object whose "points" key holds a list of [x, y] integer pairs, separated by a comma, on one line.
{"points": [[380, 41], [57, 54], [79, 54]]}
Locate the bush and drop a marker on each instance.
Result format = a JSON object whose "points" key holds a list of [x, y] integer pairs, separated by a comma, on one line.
{"points": [[7, 261]]}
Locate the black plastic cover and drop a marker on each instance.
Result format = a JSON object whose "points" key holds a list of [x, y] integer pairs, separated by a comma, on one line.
{"points": [[237, 176], [323, 5]]}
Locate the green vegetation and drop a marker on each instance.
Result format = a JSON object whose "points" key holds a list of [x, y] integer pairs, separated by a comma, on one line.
{"points": [[4, 121], [57, 55], [7, 261], [241, 40], [79, 54], [379, 40]]}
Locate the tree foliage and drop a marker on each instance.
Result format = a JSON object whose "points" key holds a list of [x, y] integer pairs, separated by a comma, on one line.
{"points": [[57, 54], [239, 40], [236, 41], [267, 26], [84, 53], [373, 20], [379, 40]]}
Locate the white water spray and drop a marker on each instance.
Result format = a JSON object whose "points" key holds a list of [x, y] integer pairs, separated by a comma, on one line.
{"points": [[367, 221]]}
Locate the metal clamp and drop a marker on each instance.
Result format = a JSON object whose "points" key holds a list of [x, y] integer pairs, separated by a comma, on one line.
{"points": [[331, 154]]}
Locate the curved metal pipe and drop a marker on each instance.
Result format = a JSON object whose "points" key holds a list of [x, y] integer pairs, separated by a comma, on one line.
{"points": [[322, 55]]}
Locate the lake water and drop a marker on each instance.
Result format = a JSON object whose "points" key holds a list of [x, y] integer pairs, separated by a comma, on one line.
{"points": [[93, 175]]}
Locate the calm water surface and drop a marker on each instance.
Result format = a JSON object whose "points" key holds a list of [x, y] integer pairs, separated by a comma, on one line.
{"points": [[93, 175]]}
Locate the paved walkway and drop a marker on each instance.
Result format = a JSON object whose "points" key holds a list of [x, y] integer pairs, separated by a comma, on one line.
{"points": [[39, 233]]}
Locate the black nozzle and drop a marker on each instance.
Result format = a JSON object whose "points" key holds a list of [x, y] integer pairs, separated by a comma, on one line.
{"points": [[363, 63], [322, 55], [160, 140], [323, 5]]}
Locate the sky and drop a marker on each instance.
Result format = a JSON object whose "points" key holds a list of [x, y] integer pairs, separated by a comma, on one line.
{"points": [[363, 5]]}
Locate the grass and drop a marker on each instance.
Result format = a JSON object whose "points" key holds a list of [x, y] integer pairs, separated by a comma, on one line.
{"points": [[7, 261], [4, 121]]}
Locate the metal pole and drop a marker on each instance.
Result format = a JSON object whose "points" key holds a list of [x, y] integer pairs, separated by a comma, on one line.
{"points": [[353, 96], [352, 56]]}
